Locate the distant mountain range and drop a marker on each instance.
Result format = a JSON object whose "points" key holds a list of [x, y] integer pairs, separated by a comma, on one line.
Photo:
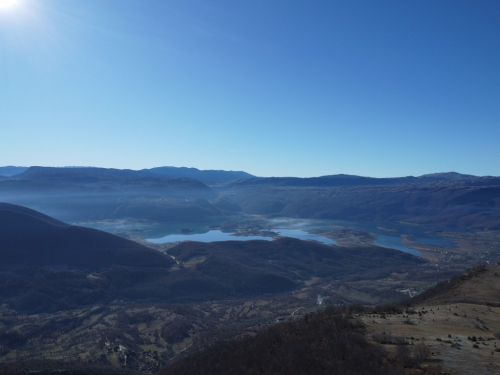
{"points": [[168, 194], [350, 180], [208, 177], [11, 171], [96, 177], [75, 194], [212, 177], [446, 199]]}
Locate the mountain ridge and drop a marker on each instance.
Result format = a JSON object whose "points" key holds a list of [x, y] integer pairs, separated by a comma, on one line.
{"points": [[209, 176], [354, 180], [11, 170]]}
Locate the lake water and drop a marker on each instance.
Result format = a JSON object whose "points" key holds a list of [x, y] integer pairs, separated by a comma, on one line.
{"points": [[388, 234], [217, 235], [303, 235], [435, 241], [210, 236], [391, 238], [394, 242]]}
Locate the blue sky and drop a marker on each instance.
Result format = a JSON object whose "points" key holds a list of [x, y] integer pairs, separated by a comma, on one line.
{"points": [[274, 88]]}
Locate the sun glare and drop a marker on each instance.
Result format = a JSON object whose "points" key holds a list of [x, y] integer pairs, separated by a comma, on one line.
{"points": [[6, 4]]}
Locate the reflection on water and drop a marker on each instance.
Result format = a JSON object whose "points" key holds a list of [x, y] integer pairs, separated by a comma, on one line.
{"points": [[389, 234], [217, 235], [393, 238], [210, 236], [303, 235], [395, 243], [436, 241]]}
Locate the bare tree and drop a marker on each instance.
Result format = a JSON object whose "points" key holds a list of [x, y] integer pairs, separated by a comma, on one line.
{"points": [[421, 353], [403, 353]]}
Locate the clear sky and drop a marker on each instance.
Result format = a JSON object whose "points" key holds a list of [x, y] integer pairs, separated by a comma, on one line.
{"points": [[274, 88]]}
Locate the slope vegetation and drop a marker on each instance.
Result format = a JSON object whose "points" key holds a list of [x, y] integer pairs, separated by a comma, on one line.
{"points": [[51, 367], [458, 321], [324, 343], [29, 238], [453, 328], [295, 259], [443, 199]]}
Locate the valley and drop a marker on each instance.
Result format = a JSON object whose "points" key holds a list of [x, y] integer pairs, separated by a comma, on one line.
{"points": [[154, 334], [161, 267]]}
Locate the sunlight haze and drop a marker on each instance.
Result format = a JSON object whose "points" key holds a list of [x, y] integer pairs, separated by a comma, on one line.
{"points": [[296, 88], [8, 3], [220, 187]]}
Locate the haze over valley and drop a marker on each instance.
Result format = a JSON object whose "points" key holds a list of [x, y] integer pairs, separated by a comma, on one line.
{"points": [[249, 187], [244, 252]]}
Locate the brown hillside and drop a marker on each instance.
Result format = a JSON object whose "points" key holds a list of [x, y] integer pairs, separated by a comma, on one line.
{"points": [[480, 285], [458, 320]]}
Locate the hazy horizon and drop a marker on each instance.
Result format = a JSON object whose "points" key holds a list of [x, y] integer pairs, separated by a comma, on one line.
{"points": [[240, 170]]}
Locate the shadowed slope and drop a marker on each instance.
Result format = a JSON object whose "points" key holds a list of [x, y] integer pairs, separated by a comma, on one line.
{"points": [[324, 343], [28, 212], [28, 237], [466, 203], [294, 259], [53, 367]]}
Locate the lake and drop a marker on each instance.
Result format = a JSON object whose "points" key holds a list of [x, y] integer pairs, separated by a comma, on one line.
{"points": [[394, 242], [389, 234], [217, 235]]}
